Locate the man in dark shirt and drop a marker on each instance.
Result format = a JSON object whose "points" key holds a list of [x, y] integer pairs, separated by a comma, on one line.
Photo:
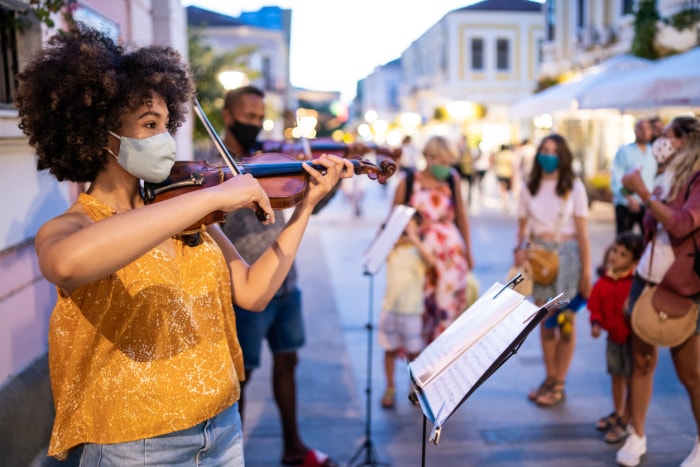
{"points": [[281, 323]]}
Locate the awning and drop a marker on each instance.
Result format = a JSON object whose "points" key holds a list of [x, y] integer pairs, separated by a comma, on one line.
{"points": [[669, 82], [567, 97]]}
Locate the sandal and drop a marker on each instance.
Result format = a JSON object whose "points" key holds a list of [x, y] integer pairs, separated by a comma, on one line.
{"points": [[606, 422], [312, 458], [617, 432], [389, 398], [552, 396], [536, 393]]}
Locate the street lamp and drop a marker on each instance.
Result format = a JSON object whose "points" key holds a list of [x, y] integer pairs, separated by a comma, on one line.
{"points": [[461, 110], [233, 79]]}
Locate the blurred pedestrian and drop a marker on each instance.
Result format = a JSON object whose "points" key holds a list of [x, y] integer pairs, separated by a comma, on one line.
{"points": [[281, 322], [606, 305], [671, 226], [436, 194], [481, 164], [465, 167], [410, 158], [401, 321], [504, 167], [657, 128], [526, 158], [629, 210], [553, 213]]}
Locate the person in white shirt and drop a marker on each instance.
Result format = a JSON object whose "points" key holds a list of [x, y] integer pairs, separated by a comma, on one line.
{"points": [[553, 213]]}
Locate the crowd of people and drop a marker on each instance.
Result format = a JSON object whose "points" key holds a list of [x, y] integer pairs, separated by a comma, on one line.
{"points": [[657, 211], [157, 329]]}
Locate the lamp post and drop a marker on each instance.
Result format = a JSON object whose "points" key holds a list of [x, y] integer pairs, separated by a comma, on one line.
{"points": [[233, 79], [461, 112]]}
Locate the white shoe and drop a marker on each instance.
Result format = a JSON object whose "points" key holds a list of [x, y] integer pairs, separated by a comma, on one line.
{"points": [[693, 459], [634, 448]]}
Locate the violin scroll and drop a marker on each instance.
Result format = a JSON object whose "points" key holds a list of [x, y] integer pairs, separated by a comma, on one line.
{"points": [[379, 173]]}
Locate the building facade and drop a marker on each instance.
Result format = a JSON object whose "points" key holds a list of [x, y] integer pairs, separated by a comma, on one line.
{"points": [[581, 37], [267, 33], [462, 74]]}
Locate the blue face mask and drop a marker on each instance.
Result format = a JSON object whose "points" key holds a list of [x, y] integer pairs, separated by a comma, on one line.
{"points": [[549, 162]]}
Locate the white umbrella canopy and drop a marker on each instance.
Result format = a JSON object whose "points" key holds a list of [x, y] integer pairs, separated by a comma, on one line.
{"points": [[567, 96], [671, 81]]}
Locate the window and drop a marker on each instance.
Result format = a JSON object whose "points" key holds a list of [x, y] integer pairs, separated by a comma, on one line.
{"points": [[502, 55], [8, 56], [267, 73], [477, 54], [581, 13], [551, 20], [627, 7]]}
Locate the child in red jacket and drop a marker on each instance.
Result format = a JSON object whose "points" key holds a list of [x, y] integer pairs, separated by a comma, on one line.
{"points": [[606, 306]]}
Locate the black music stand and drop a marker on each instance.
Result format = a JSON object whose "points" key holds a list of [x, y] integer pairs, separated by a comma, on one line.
{"points": [[467, 347], [374, 257]]}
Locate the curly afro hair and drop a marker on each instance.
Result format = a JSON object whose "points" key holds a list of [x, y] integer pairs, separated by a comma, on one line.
{"points": [[81, 85]]}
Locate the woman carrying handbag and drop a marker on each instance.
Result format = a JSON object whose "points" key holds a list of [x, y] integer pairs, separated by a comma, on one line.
{"points": [[553, 214], [671, 222]]}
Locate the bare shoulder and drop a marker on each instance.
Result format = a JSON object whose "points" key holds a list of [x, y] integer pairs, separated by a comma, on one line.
{"points": [[72, 220]]}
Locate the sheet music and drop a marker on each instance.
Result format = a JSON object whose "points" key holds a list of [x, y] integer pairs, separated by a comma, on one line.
{"points": [[450, 367], [385, 240], [465, 332]]}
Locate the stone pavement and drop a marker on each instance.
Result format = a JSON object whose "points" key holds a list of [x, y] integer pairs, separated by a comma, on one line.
{"points": [[497, 425]]}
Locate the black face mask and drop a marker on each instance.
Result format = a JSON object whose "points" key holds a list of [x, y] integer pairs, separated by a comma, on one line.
{"points": [[245, 134]]}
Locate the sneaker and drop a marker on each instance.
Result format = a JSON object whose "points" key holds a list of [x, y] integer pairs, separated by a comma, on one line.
{"points": [[693, 459], [634, 448]]}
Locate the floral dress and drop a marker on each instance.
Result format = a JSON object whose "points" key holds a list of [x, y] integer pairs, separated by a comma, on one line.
{"points": [[445, 286]]}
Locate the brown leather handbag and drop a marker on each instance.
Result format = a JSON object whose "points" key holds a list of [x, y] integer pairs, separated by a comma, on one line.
{"points": [[543, 263], [663, 317]]}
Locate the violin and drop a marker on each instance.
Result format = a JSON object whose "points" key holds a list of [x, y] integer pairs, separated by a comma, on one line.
{"points": [[281, 176]]}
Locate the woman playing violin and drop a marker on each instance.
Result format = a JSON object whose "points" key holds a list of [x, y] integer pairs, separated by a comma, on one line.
{"points": [[143, 354]]}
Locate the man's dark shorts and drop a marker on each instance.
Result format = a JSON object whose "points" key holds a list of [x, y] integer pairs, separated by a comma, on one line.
{"points": [[281, 323]]}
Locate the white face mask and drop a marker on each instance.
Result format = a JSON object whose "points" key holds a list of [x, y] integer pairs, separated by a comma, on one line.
{"points": [[150, 159]]}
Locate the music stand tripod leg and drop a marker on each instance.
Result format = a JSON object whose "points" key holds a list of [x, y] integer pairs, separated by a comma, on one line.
{"points": [[367, 446]]}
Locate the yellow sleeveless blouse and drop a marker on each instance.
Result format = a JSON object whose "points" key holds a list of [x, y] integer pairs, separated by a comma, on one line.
{"points": [[148, 350]]}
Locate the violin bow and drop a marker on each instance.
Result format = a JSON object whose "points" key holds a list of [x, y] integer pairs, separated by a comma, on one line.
{"points": [[226, 156]]}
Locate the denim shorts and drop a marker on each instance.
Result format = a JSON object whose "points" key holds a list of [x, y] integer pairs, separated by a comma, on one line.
{"points": [[216, 442], [281, 323]]}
